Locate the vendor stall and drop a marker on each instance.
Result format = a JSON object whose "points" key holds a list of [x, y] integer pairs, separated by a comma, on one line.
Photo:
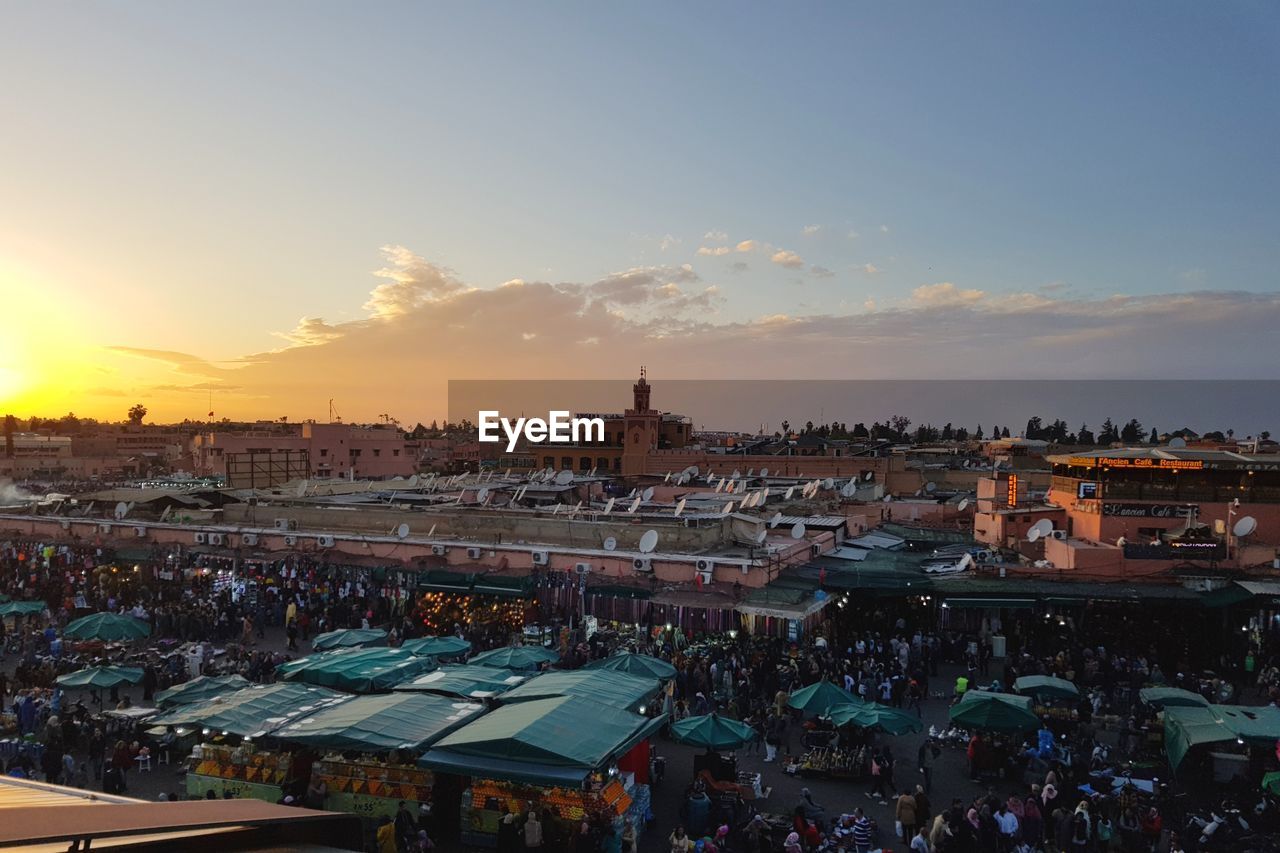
{"points": [[357, 670], [469, 682], [617, 689]]}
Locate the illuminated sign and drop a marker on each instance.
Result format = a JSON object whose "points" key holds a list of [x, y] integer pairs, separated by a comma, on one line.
{"points": [[1149, 510], [1087, 490], [1013, 490], [1120, 462]]}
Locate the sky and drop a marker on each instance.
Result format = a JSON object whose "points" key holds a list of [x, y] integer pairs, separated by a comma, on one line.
{"points": [[258, 208]]}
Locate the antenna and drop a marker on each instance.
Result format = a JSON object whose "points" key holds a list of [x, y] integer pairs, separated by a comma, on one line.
{"points": [[828, 483], [648, 541], [667, 479], [790, 491], [413, 481], [610, 543], [797, 530], [482, 495], [751, 472], [1177, 443], [302, 489], [402, 531], [1033, 534], [728, 508], [431, 532], [930, 486], [719, 485]]}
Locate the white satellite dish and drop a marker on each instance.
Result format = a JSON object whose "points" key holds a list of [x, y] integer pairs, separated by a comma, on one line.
{"points": [[761, 536], [867, 476], [1044, 526], [888, 498], [719, 485], [122, 509], [648, 541], [482, 495], [667, 479], [728, 508], [431, 532], [1033, 534], [692, 470], [776, 520], [680, 507], [764, 472], [1245, 526], [1177, 443], [735, 475], [647, 494], [564, 478], [751, 472], [797, 530], [790, 491], [302, 489], [742, 487], [963, 505], [413, 481], [930, 486], [556, 509], [1121, 542], [402, 531], [610, 543], [635, 505], [764, 494], [608, 506], [828, 484]]}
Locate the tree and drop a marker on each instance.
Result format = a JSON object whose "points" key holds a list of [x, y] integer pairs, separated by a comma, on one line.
{"points": [[136, 413], [1109, 434], [860, 430], [1084, 436], [977, 433], [1215, 435], [962, 434], [1131, 433], [1004, 433], [1155, 436], [808, 426], [1034, 428], [948, 434], [900, 423], [786, 428], [1265, 435]]}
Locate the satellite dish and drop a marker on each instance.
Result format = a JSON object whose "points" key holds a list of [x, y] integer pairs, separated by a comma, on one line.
{"points": [[867, 476], [402, 531], [1177, 443], [413, 481], [1121, 542], [761, 536], [648, 541], [431, 532], [610, 543], [667, 479], [728, 508], [564, 478], [790, 491], [692, 470], [930, 486], [608, 505], [1033, 534], [680, 507], [482, 495], [963, 505], [302, 489], [764, 495], [1044, 525], [735, 475], [888, 498], [764, 472], [122, 509], [719, 485], [1245, 526], [647, 494], [635, 505], [776, 520], [797, 530], [828, 484]]}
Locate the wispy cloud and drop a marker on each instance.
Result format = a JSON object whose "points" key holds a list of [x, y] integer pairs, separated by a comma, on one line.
{"points": [[714, 251], [787, 258], [820, 272], [811, 230], [716, 236]]}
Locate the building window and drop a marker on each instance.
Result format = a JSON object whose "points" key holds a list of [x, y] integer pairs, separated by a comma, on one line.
{"points": [[395, 452], [324, 451], [377, 452]]}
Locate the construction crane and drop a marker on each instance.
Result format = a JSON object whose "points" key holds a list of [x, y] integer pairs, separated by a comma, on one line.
{"points": [[334, 417]]}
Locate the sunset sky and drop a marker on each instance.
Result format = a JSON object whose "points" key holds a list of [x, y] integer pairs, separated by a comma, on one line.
{"points": [[277, 204]]}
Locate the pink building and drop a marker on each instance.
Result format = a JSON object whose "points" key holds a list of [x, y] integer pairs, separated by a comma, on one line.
{"points": [[333, 450]]}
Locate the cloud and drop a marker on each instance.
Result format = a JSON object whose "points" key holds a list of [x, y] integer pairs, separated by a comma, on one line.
{"points": [[411, 282], [748, 246], [179, 360], [787, 258], [714, 251], [810, 230], [820, 272], [870, 269], [854, 235], [884, 229], [944, 294], [668, 242], [716, 236], [310, 331]]}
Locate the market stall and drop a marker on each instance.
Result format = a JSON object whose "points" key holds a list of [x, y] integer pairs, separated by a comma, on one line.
{"points": [[582, 759], [1054, 700], [635, 664], [349, 638], [469, 682], [201, 688], [518, 658], [356, 670], [616, 689]]}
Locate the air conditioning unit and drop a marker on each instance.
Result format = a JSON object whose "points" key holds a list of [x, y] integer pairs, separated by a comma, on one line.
{"points": [[439, 550], [984, 556], [642, 564], [285, 524], [290, 541], [202, 538], [582, 568], [324, 541], [1058, 534], [217, 539], [140, 532], [249, 539], [704, 576], [541, 558], [705, 565], [473, 553]]}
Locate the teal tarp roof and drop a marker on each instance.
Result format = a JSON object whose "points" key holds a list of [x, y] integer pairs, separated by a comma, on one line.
{"points": [[519, 658], [634, 664], [1164, 697], [473, 682], [560, 739], [1188, 726], [617, 689], [199, 689], [254, 711], [357, 670], [349, 638], [381, 723]]}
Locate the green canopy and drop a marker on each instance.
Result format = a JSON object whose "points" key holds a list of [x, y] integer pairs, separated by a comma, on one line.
{"points": [[469, 682], [1046, 685], [1000, 712], [254, 711], [107, 626], [1271, 782], [439, 647], [616, 689], [199, 689], [380, 723], [349, 638], [356, 670], [1188, 726], [713, 732], [101, 677], [633, 664], [872, 715], [1165, 697], [546, 741], [818, 698], [22, 608], [519, 658]]}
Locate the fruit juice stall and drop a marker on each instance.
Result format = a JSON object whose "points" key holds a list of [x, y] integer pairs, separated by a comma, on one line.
{"points": [[581, 759]]}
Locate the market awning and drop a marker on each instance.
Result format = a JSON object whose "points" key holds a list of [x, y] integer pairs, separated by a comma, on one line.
{"points": [[1189, 726], [472, 682], [1006, 603], [616, 689], [254, 711], [800, 610], [440, 580], [380, 723], [199, 689], [512, 587], [357, 670]]}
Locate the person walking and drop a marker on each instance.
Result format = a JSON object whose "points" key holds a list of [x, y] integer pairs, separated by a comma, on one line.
{"points": [[904, 812]]}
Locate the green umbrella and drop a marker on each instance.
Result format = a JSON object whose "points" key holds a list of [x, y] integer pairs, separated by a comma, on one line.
{"points": [[21, 608], [1271, 782], [199, 689], [107, 626], [634, 664], [713, 731], [439, 647], [101, 677], [817, 699], [1046, 685], [519, 658], [349, 638], [999, 712], [872, 715]]}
